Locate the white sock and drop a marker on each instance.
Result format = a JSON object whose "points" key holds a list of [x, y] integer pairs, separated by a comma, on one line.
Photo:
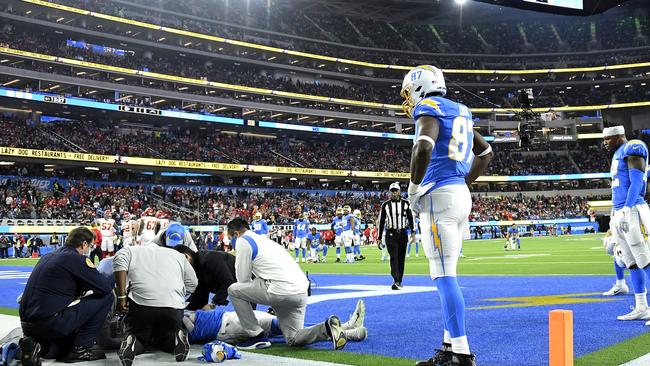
{"points": [[460, 345], [641, 301], [446, 338], [620, 283]]}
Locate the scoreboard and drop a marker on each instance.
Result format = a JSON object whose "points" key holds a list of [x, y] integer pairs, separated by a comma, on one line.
{"points": [[565, 7], [570, 4]]}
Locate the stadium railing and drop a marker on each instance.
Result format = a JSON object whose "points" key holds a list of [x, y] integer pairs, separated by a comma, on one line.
{"points": [[312, 55], [279, 93]]}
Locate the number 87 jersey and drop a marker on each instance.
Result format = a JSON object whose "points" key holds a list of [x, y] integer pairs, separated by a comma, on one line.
{"points": [[451, 159]]}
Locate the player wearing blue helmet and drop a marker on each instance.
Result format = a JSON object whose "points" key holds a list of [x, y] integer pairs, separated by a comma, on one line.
{"points": [[447, 156]]}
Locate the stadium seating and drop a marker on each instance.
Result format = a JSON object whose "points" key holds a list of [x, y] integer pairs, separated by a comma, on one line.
{"points": [[20, 199], [213, 146]]}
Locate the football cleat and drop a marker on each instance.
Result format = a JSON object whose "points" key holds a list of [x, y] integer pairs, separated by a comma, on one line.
{"points": [[357, 317], [458, 359], [617, 290], [356, 335], [441, 356], [260, 341], [334, 330], [635, 314]]}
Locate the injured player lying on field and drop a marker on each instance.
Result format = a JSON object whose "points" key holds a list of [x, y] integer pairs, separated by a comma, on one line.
{"points": [[208, 325]]}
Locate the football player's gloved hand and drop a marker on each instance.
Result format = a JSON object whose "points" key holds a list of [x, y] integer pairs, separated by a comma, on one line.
{"points": [[622, 219], [414, 196]]}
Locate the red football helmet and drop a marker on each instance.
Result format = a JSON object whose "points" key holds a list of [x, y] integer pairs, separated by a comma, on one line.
{"points": [[126, 215], [148, 212], [160, 215], [108, 214]]}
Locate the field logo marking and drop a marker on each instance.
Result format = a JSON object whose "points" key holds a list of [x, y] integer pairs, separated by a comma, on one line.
{"points": [[12, 275], [546, 300], [510, 256], [362, 291]]}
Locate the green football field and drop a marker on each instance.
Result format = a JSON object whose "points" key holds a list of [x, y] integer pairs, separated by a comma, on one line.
{"points": [[567, 255]]}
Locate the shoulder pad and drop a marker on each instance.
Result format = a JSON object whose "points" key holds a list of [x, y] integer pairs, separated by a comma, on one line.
{"points": [[635, 148], [434, 107]]}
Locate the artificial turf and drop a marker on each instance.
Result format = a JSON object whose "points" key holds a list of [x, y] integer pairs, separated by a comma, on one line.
{"points": [[567, 255]]}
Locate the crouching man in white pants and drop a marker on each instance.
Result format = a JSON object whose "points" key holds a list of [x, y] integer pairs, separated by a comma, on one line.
{"points": [[279, 282]]}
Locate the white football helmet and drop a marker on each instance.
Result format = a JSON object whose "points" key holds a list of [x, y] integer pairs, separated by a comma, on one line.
{"points": [[347, 209], [257, 216], [357, 213], [419, 82]]}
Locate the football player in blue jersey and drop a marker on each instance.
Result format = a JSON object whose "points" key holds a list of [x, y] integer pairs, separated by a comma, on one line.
{"points": [[414, 238], [316, 246], [337, 228], [259, 226], [631, 215], [447, 156], [300, 237], [357, 237], [347, 236]]}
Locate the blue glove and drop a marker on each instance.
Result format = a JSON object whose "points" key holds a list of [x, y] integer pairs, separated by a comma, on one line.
{"points": [[217, 352]]}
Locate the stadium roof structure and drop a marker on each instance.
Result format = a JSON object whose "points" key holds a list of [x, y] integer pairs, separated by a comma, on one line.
{"points": [[444, 12]]}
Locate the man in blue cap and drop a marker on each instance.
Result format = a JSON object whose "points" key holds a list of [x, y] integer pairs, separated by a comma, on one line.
{"points": [[175, 234]]}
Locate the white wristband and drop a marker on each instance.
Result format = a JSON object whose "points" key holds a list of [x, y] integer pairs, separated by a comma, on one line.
{"points": [[425, 138], [413, 188], [486, 151]]}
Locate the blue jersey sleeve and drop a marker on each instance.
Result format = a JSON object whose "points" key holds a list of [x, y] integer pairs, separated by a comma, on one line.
{"points": [[432, 107], [635, 148]]}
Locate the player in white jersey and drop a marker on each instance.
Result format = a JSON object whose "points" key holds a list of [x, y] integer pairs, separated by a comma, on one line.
{"points": [[163, 221], [447, 156], [147, 227], [107, 228], [127, 230]]}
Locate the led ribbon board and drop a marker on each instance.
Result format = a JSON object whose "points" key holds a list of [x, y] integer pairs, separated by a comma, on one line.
{"points": [[126, 161]]}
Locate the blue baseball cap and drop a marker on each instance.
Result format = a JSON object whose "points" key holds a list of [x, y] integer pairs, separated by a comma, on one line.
{"points": [[175, 233]]}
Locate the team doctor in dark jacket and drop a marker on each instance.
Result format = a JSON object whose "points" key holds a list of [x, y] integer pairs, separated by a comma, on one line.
{"points": [[59, 314], [215, 271]]}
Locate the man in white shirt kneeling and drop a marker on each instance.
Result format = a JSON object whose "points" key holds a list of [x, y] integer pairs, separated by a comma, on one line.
{"points": [[279, 282]]}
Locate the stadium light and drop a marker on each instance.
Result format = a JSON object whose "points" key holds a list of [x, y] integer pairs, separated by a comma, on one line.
{"points": [[460, 2]]}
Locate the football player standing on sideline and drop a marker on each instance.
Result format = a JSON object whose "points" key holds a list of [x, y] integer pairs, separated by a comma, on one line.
{"points": [[631, 215], [259, 225], [300, 228], [447, 156]]}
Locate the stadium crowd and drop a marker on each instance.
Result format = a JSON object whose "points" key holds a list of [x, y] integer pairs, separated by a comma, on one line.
{"points": [[227, 20], [555, 96], [521, 207], [214, 146], [75, 200]]}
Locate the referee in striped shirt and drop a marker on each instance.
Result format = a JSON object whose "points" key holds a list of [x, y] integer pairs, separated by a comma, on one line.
{"points": [[394, 218]]}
